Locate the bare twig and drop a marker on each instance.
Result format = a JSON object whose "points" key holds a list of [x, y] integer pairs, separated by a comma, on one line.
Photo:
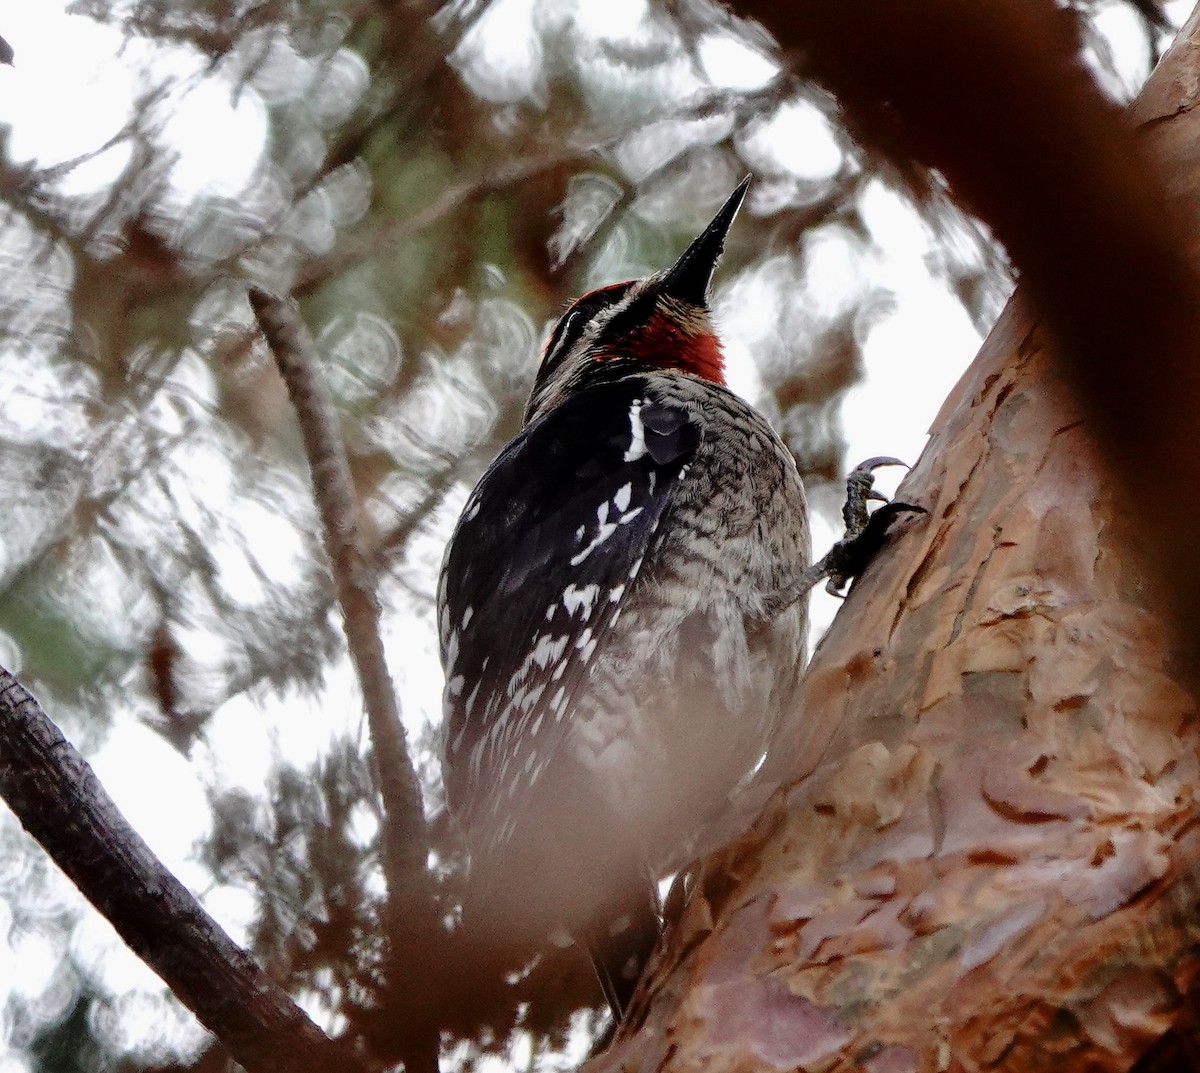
{"points": [[58, 799], [411, 918]]}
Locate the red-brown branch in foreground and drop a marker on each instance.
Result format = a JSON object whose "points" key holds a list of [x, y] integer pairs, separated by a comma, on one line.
{"points": [[994, 95], [985, 851]]}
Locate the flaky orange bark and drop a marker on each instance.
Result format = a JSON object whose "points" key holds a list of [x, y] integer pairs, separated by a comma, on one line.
{"points": [[991, 856]]}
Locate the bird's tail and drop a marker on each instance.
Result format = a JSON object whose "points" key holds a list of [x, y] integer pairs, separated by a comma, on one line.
{"points": [[621, 947]]}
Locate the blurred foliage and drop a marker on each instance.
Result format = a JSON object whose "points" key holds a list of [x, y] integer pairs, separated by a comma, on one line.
{"points": [[433, 182]]}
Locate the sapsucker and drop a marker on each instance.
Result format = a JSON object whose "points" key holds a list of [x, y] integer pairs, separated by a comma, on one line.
{"points": [[618, 616]]}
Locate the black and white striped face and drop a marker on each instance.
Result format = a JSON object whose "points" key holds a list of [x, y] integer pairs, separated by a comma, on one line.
{"points": [[637, 321], [660, 321], [592, 310], [575, 337]]}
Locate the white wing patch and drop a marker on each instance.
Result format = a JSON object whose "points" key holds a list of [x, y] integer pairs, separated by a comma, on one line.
{"points": [[576, 599], [637, 432], [586, 644], [545, 652], [604, 527]]}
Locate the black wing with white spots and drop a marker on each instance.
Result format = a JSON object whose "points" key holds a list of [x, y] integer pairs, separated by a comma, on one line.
{"points": [[547, 547]]}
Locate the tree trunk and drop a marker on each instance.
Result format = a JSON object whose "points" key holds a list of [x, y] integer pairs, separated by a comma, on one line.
{"points": [[986, 853]]}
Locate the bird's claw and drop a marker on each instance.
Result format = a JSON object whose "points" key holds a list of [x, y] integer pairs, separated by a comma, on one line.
{"points": [[865, 530], [872, 464]]}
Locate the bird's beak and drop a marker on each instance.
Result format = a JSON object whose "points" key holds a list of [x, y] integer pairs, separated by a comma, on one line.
{"points": [[689, 277]]}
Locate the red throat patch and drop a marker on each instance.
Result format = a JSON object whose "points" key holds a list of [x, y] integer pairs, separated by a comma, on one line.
{"points": [[666, 344]]}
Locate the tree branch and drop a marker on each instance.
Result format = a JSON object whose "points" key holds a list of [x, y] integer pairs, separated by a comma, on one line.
{"points": [[55, 794], [986, 852], [994, 95], [411, 917]]}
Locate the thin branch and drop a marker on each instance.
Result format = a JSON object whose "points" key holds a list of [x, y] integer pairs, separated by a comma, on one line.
{"points": [[411, 922], [55, 794]]}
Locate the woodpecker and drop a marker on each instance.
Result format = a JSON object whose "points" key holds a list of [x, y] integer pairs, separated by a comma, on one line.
{"points": [[619, 617]]}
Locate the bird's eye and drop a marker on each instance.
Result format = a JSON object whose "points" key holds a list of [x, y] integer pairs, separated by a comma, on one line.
{"points": [[568, 330], [565, 333]]}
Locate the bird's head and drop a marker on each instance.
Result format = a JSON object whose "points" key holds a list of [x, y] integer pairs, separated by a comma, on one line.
{"points": [[661, 321]]}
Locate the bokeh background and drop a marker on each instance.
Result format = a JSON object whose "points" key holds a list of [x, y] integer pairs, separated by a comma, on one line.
{"points": [[432, 183]]}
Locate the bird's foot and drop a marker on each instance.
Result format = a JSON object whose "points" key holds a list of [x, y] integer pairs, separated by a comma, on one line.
{"points": [[865, 530]]}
